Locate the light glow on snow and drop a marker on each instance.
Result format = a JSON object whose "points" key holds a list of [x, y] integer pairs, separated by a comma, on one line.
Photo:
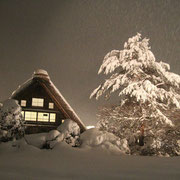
{"points": [[90, 127]]}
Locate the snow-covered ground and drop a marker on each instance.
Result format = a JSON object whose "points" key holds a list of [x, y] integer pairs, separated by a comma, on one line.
{"points": [[99, 156], [65, 162]]}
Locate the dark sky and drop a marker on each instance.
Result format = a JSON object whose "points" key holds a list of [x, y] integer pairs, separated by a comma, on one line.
{"points": [[69, 39]]}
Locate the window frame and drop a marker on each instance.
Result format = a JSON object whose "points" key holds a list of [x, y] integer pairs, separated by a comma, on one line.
{"points": [[51, 105], [42, 118], [23, 103], [52, 117], [30, 118], [34, 116], [37, 102]]}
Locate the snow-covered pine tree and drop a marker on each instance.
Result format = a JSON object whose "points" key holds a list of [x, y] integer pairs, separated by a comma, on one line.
{"points": [[148, 91], [11, 121]]}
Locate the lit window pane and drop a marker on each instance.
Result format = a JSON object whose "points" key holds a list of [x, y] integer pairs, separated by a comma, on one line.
{"points": [[52, 117], [30, 116], [22, 112], [43, 117], [23, 103], [51, 105], [37, 102]]}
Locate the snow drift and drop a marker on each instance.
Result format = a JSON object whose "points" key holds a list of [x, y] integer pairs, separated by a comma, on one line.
{"points": [[69, 133], [93, 138]]}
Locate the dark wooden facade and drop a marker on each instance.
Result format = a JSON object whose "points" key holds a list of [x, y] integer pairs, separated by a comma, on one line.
{"points": [[43, 118]]}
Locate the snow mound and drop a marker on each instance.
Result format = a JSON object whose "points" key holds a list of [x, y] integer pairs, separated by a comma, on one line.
{"points": [[71, 132], [62, 146], [53, 137], [45, 140], [69, 127], [67, 132], [104, 140], [37, 140], [53, 143]]}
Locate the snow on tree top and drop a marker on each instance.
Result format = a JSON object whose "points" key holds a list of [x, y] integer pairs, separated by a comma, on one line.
{"points": [[139, 78], [10, 105], [135, 68]]}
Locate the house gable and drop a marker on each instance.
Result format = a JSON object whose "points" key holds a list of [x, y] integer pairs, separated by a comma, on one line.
{"points": [[43, 104], [34, 90], [38, 115]]}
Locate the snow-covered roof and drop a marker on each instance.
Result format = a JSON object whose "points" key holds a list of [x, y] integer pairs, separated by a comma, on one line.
{"points": [[43, 78], [41, 73]]}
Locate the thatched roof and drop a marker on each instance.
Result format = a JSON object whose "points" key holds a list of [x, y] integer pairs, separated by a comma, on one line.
{"points": [[44, 80]]}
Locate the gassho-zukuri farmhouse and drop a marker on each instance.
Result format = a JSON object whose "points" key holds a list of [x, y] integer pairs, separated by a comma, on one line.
{"points": [[43, 106]]}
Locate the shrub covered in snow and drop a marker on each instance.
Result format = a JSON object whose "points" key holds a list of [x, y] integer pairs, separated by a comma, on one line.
{"points": [[104, 140], [44, 140], [68, 132], [167, 143], [148, 91], [11, 120], [53, 137], [71, 132], [69, 127]]}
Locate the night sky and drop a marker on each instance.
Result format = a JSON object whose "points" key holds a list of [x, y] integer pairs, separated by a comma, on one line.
{"points": [[69, 39]]}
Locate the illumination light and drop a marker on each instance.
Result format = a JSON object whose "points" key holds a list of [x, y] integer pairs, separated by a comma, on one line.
{"points": [[90, 127]]}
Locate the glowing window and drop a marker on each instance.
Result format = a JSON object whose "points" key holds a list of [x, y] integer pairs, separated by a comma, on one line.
{"points": [[30, 116], [52, 117], [43, 117], [23, 103], [22, 112], [37, 102], [62, 121], [51, 105]]}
